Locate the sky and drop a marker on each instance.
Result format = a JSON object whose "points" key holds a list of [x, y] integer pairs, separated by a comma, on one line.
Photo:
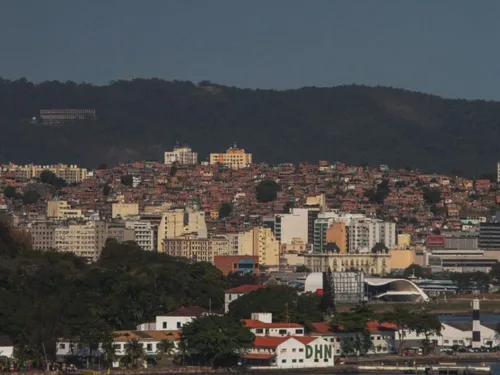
{"points": [[446, 47]]}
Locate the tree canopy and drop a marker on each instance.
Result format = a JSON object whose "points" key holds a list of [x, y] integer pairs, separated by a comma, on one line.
{"points": [[267, 191], [216, 340], [49, 178], [225, 210], [126, 287]]}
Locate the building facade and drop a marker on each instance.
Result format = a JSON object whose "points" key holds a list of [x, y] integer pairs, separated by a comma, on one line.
{"points": [[69, 173], [196, 249], [235, 158], [182, 155]]}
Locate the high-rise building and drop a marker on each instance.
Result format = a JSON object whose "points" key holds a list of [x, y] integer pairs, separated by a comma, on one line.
{"points": [[181, 155], [235, 158], [258, 241], [196, 249], [179, 222], [289, 227], [143, 233]]}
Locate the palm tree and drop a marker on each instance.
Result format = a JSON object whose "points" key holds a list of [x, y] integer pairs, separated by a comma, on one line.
{"points": [[164, 349], [134, 352], [109, 352]]}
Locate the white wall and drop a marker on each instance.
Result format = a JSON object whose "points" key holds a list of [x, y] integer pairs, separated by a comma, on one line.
{"points": [[292, 353], [277, 332], [6, 351], [172, 323], [295, 225]]}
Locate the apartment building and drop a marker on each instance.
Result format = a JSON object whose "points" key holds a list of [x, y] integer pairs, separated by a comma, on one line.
{"points": [[42, 235], [489, 236], [61, 115], [196, 249], [118, 231], [258, 241], [181, 221], [371, 263], [61, 210], [181, 155], [83, 239], [143, 233], [234, 157], [289, 227], [69, 173]]}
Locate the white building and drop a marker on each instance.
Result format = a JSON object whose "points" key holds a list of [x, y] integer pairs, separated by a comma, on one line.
{"points": [[288, 227], [6, 347], [261, 324], [181, 155], [175, 320], [290, 352]]}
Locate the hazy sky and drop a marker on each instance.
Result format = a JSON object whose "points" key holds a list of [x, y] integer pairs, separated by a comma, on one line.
{"points": [[447, 47]]}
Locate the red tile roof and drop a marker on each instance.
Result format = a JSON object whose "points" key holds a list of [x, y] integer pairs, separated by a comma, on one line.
{"points": [[274, 342], [258, 355], [245, 289], [250, 323]]}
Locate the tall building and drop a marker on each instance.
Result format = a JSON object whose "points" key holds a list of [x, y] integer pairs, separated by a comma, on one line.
{"points": [[258, 241], [179, 222], [85, 240], [235, 158], [489, 236], [62, 210], [289, 227], [181, 155], [69, 173], [143, 233]]}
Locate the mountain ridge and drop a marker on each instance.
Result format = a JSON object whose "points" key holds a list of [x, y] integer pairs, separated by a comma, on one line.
{"points": [[140, 119]]}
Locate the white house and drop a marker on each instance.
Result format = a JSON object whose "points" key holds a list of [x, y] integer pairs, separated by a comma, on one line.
{"points": [[233, 294], [176, 319], [382, 336], [290, 352], [6, 346], [261, 324]]}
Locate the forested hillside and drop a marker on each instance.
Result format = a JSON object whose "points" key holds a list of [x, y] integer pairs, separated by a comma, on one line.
{"points": [[140, 119]]}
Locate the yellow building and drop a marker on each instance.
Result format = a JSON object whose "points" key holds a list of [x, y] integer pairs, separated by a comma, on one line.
{"points": [[180, 222], [234, 158], [69, 173], [196, 249], [85, 240], [369, 263], [402, 258], [259, 241], [404, 240], [62, 210], [124, 209]]}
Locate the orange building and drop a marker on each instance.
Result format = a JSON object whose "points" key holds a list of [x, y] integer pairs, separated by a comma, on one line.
{"points": [[337, 232], [235, 158], [237, 263]]}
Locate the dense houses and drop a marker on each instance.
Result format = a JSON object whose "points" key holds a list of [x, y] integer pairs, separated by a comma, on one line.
{"points": [[335, 216]]}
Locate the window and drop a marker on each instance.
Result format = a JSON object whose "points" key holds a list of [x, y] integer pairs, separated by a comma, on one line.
{"points": [[259, 330], [282, 331], [294, 350], [301, 360], [326, 359], [179, 325], [316, 360], [446, 341], [164, 325], [283, 361], [283, 350], [294, 361], [301, 349], [62, 346], [299, 331], [149, 347], [118, 346]]}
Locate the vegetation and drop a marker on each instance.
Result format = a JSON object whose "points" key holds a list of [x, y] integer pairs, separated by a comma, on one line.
{"points": [[387, 126], [31, 197], [165, 349], [283, 302], [267, 191], [126, 287], [355, 322], [225, 210], [127, 180], [216, 340], [134, 353], [49, 178], [11, 193]]}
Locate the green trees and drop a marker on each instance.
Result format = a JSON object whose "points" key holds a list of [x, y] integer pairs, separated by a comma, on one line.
{"points": [[164, 349], [11, 193], [427, 324], [127, 180], [267, 191], [225, 210], [217, 340], [414, 270], [31, 197], [126, 287], [283, 302], [495, 271], [49, 178], [327, 304], [106, 190], [134, 353], [356, 323]]}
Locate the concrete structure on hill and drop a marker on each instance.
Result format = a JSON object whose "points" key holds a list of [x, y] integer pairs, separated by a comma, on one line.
{"points": [[120, 209], [258, 241], [69, 173], [60, 115], [235, 158], [182, 155], [180, 222], [61, 210]]}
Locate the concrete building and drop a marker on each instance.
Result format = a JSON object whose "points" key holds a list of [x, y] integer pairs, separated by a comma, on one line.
{"points": [[372, 263], [179, 222], [261, 324], [61, 115], [401, 258], [235, 158], [62, 210], [489, 236], [42, 235], [233, 294], [69, 173], [182, 155], [124, 209], [83, 239], [143, 233], [117, 230], [292, 226], [243, 264], [175, 320], [196, 249]]}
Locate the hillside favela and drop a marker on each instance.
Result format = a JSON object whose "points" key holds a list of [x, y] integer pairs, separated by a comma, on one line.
{"points": [[266, 187]]}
